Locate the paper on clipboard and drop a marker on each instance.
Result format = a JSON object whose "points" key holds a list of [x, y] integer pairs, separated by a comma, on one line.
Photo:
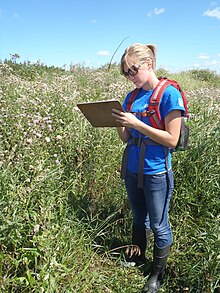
{"points": [[99, 113]]}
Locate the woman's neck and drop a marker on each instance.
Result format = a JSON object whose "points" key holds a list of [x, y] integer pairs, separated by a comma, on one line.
{"points": [[151, 83]]}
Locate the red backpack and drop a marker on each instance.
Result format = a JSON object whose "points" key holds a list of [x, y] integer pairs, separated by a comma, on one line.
{"points": [[154, 113]]}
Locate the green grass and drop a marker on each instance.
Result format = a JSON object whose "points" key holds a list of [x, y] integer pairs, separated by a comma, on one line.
{"points": [[64, 211]]}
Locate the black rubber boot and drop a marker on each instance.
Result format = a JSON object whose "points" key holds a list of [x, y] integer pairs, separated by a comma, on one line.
{"points": [[159, 264], [135, 254]]}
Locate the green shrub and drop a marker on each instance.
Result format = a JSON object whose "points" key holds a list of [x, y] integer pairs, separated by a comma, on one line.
{"points": [[205, 75]]}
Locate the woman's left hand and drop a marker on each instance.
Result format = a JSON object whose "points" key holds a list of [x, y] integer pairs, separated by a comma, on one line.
{"points": [[126, 119]]}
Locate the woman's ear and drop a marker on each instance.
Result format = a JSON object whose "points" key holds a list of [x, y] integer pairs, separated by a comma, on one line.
{"points": [[149, 65]]}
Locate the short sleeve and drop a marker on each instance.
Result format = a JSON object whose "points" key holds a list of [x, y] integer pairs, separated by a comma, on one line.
{"points": [[171, 100]]}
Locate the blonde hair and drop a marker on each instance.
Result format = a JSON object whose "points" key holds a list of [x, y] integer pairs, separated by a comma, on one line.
{"points": [[139, 53]]}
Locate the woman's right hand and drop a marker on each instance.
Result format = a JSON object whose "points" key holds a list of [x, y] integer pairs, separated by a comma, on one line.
{"points": [[125, 119]]}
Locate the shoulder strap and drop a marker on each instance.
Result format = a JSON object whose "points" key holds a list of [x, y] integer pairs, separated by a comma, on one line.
{"points": [[131, 99], [153, 108]]}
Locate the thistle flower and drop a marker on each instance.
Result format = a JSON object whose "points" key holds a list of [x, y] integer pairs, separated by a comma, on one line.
{"points": [[49, 127]]}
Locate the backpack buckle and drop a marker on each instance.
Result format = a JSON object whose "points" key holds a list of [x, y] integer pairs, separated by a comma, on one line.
{"points": [[148, 113]]}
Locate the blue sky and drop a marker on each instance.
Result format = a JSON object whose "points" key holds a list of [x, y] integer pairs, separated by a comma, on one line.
{"points": [[187, 33]]}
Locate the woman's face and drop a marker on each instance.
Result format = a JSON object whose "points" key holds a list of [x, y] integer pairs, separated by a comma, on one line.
{"points": [[138, 74]]}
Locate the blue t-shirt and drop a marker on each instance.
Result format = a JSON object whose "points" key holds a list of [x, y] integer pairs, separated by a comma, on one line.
{"points": [[154, 156]]}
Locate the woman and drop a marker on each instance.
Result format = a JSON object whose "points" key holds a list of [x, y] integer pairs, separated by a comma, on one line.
{"points": [[150, 202]]}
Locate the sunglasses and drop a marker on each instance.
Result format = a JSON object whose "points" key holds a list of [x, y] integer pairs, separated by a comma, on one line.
{"points": [[132, 71]]}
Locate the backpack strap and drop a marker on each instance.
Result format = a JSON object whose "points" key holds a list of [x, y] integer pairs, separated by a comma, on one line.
{"points": [[131, 99], [154, 104], [142, 143]]}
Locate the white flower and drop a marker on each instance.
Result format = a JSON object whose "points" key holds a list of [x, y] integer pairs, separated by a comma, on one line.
{"points": [[59, 137], [46, 277], [47, 139], [36, 228]]}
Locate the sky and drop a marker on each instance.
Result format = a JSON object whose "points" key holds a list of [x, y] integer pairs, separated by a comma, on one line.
{"points": [[92, 32]]}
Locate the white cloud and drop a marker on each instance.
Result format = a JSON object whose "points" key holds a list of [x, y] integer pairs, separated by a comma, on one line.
{"points": [[103, 53], [156, 11], [94, 21], [213, 13], [202, 56], [211, 64]]}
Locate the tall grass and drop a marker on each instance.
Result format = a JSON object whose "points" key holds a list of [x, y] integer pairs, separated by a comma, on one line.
{"points": [[64, 212]]}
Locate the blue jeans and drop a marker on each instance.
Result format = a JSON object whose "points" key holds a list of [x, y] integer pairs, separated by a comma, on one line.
{"points": [[150, 205]]}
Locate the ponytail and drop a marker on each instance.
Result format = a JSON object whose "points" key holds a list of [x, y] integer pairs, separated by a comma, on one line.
{"points": [[153, 49]]}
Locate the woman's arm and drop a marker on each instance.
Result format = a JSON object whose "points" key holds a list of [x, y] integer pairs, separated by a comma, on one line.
{"points": [[123, 133], [168, 137]]}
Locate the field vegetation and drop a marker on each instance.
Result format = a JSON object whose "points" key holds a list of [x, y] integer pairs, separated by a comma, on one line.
{"points": [[64, 216]]}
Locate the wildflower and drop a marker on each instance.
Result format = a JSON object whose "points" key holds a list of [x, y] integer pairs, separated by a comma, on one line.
{"points": [[47, 139], [46, 277], [59, 137], [29, 140], [35, 121], [36, 228], [49, 127]]}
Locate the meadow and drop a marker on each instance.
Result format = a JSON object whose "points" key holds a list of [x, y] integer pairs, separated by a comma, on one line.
{"points": [[64, 216]]}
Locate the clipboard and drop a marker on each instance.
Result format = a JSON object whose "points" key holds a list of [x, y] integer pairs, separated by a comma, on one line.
{"points": [[99, 113]]}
